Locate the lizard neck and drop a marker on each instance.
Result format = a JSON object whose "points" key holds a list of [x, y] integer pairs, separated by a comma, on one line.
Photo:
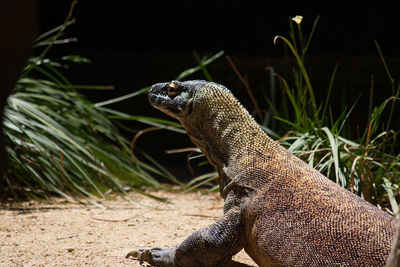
{"points": [[224, 131]]}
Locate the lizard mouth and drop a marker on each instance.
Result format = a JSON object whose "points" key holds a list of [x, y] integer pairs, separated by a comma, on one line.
{"points": [[158, 95], [157, 99]]}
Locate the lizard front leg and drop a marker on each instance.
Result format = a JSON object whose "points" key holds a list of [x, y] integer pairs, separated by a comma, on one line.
{"points": [[211, 246]]}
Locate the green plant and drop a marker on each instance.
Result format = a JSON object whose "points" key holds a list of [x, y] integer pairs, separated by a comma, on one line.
{"points": [[59, 142], [368, 166]]}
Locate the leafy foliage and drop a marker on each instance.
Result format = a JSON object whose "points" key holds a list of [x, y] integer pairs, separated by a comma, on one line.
{"points": [[58, 142]]}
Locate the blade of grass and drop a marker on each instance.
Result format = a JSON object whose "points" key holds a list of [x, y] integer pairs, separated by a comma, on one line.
{"points": [[387, 185], [205, 61], [201, 180], [335, 154], [202, 67], [328, 94], [122, 98], [305, 76]]}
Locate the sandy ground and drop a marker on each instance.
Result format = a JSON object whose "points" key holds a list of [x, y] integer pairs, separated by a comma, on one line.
{"points": [[61, 233]]}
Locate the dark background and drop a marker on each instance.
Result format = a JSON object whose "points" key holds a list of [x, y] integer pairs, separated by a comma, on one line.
{"points": [[133, 44], [213, 25], [136, 45]]}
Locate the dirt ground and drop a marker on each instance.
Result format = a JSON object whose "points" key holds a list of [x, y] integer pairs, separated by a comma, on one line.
{"points": [[62, 233]]}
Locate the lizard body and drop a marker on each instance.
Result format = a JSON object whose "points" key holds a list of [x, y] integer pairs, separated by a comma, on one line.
{"points": [[279, 209]]}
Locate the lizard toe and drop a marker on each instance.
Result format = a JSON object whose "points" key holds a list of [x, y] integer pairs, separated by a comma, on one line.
{"points": [[141, 255], [155, 256]]}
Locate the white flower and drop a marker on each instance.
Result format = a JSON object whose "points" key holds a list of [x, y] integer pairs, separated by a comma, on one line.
{"points": [[298, 19]]}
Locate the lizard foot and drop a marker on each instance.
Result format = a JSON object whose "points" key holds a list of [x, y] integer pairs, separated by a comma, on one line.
{"points": [[155, 256]]}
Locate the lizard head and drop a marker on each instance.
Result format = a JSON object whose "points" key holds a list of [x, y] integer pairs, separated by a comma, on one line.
{"points": [[212, 117], [174, 98]]}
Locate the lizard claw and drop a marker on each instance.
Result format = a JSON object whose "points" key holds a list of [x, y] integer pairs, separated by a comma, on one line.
{"points": [[134, 254], [154, 256], [141, 255]]}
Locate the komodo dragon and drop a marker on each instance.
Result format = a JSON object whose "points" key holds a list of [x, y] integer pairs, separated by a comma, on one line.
{"points": [[279, 209]]}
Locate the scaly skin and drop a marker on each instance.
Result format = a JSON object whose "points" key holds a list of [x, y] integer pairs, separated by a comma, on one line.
{"points": [[280, 210]]}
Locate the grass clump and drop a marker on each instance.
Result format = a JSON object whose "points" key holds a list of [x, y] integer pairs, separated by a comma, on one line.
{"points": [[60, 143], [369, 165]]}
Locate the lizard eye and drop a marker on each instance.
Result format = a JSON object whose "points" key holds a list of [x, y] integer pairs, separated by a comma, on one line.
{"points": [[173, 89]]}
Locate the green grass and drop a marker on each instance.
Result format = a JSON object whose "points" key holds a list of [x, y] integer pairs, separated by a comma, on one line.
{"points": [[58, 142], [368, 166]]}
